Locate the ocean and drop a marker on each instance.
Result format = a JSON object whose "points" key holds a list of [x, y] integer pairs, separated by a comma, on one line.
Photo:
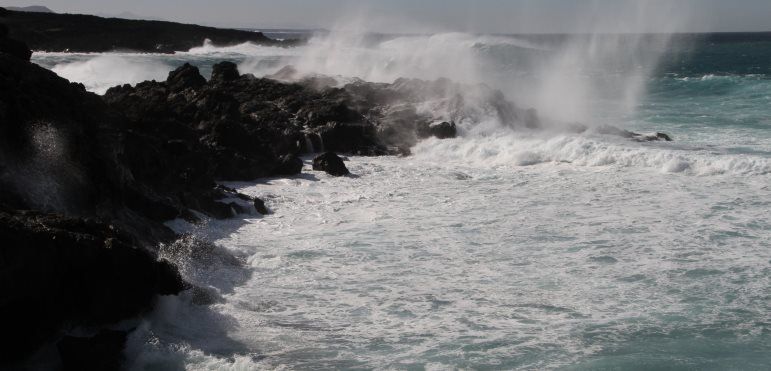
{"points": [[503, 248]]}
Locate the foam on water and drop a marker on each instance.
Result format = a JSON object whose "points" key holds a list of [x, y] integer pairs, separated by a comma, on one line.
{"points": [[501, 248], [436, 264], [523, 149]]}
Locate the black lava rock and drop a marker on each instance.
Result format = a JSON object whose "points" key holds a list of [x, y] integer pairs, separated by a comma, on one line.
{"points": [[63, 271], [185, 77], [330, 163], [443, 130], [289, 165], [224, 72], [259, 205], [103, 352]]}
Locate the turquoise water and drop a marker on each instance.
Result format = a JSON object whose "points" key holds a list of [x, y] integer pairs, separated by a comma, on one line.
{"points": [[719, 93]]}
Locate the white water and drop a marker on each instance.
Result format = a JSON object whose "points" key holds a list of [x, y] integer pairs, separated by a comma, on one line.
{"points": [[500, 249], [429, 261]]}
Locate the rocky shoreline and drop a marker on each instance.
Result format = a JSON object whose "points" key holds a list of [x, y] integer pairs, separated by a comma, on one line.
{"points": [[87, 181]]}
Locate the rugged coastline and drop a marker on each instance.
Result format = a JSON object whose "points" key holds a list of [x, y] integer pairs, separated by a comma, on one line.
{"points": [[103, 173]]}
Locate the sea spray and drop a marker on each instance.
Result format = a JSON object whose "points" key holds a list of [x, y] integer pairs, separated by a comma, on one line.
{"points": [[104, 71]]}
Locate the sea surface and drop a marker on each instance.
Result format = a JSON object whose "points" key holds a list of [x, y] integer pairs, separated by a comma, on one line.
{"points": [[502, 248]]}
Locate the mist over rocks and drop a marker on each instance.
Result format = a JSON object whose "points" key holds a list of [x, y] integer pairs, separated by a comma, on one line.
{"points": [[107, 171], [100, 185]]}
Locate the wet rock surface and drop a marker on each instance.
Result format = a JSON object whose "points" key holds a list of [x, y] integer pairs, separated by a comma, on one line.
{"points": [[77, 271], [330, 163], [440, 130]]}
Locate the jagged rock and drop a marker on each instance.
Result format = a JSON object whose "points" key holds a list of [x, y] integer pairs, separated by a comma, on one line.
{"points": [[103, 352], [259, 205], [440, 130], [611, 130], [224, 72], [358, 138], [661, 136], [289, 165], [185, 77], [61, 271], [330, 163]]}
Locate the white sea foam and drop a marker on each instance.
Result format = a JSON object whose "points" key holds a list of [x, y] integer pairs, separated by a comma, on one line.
{"points": [[498, 249], [436, 260], [103, 71], [507, 148]]}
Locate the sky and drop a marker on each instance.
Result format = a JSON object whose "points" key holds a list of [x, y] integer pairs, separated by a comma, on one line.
{"points": [[491, 16]]}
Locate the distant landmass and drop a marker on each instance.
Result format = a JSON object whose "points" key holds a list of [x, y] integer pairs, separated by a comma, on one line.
{"points": [[31, 9], [129, 15], [56, 32]]}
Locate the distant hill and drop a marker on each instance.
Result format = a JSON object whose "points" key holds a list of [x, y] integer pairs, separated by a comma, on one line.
{"points": [[87, 33], [32, 9], [129, 15]]}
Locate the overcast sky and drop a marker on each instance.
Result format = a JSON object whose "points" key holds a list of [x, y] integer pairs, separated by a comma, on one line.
{"points": [[501, 16]]}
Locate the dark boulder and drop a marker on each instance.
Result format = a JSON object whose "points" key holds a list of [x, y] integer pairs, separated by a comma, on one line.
{"points": [[185, 77], [103, 352], [330, 163], [289, 165], [440, 130], [259, 205], [358, 138], [612, 130], [224, 72], [662, 136]]}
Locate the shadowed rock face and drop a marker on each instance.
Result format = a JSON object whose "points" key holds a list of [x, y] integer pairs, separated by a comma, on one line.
{"points": [[103, 352], [13, 47], [65, 151], [58, 270], [87, 33]]}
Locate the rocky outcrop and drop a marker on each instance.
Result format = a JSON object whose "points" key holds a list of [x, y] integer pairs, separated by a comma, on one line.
{"points": [[64, 151], [87, 33], [244, 126], [330, 163], [13, 47], [440, 130], [611, 130], [58, 270]]}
